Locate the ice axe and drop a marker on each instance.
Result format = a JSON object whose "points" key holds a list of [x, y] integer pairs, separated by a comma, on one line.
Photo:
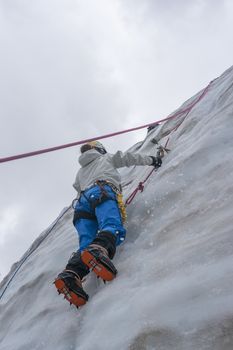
{"points": [[160, 149]]}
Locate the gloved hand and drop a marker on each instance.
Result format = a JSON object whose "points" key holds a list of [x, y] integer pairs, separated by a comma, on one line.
{"points": [[157, 161]]}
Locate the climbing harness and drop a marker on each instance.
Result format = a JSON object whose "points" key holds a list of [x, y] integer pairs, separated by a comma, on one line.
{"points": [[119, 197], [95, 202], [81, 214]]}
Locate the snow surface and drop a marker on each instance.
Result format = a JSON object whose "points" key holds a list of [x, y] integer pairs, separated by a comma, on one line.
{"points": [[175, 282]]}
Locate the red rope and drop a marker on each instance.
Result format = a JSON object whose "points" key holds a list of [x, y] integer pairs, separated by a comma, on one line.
{"points": [[56, 148], [139, 188], [187, 110]]}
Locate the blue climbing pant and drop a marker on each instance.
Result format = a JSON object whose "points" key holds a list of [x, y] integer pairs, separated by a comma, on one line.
{"points": [[103, 214]]}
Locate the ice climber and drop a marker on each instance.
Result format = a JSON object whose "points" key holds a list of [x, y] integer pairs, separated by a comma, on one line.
{"points": [[97, 217]]}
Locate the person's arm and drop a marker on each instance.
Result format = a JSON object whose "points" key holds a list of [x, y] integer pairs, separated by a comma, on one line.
{"points": [[128, 159]]}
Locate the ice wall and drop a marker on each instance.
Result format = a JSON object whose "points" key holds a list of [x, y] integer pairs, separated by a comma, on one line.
{"points": [[174, 288]]}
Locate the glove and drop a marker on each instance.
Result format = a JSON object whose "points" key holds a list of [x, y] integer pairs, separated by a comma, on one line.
{"points": [[157, 161]]}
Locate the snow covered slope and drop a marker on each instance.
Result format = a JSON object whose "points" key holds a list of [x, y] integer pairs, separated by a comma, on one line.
{"points": [[175, 282]]}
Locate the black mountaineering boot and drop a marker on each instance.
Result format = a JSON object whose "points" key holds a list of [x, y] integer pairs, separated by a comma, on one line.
{"points": [[75, 264], [97, 256], [69, 284]]}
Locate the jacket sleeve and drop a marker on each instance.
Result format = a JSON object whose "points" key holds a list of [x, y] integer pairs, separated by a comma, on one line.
{"points": [[128, 159]]}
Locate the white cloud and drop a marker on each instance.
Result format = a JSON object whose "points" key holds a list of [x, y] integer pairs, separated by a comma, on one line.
{"points": [[76, 69], [9, 218]]}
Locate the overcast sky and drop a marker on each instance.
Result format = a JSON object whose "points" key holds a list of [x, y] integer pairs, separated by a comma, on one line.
{"points": [[73, 69]]}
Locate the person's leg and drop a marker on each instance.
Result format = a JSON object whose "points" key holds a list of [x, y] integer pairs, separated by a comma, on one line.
{"points": [[87, 231], [86, 225], [110, 225], [69, 282], [103, 247]]}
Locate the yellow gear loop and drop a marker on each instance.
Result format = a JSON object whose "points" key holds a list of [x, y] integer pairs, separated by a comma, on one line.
{"points": [[122, 206]]}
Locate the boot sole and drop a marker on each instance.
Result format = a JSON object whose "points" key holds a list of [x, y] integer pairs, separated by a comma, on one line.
{"points": [[73, 298], [97, 267]]}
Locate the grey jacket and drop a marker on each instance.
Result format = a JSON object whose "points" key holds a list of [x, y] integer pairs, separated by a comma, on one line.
{"points": [[96, 166]]}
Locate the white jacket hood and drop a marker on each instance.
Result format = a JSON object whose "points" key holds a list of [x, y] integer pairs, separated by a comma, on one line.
{"points": [[88, 157]]}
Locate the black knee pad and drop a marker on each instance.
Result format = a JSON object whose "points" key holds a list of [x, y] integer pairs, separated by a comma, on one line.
{"points": [[75, 264], [108, 241]]}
